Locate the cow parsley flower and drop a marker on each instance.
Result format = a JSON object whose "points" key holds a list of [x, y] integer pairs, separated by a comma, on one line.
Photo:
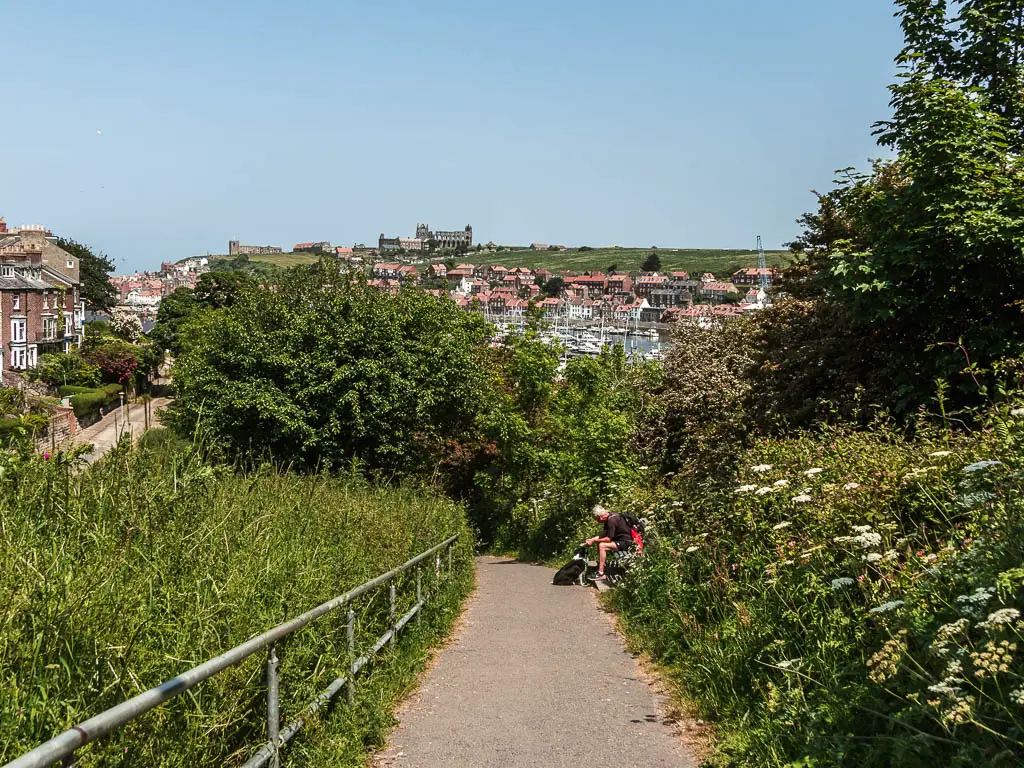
{"points": [[1017, 412], [842, 581], [892, 605], [974, 603], [1017, 696], [761, 468], [780, 526], [813, 471], [938, 454], [745, 489], [780, 483], [788, 663], [861, 528], [690, 550], [803, 498], [872, 557], [763, 491], [851, 486], [1002, 616], [867, 540]]}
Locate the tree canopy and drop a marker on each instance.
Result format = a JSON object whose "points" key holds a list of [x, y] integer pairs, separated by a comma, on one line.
{"points": [[94, 270], [324, 369]]}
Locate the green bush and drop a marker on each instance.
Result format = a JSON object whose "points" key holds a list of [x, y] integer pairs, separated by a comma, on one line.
{"points": [[88, 403], [118, 577], [71, 389]]}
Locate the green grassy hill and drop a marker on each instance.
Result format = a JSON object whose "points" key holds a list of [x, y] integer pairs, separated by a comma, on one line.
{"points": [[719, 261]]}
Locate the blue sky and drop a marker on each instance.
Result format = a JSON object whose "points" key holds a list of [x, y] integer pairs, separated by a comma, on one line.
{"points": [[156, 131]]}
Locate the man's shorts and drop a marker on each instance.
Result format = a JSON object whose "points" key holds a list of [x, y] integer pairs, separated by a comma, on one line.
{"points": [[623, 545]]}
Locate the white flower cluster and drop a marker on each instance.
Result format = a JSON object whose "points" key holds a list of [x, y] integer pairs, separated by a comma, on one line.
{"points": [[1017, 696], [780, 526], [1002, 616], [690, 550], [788, 663], [872, 557], [892, 605], [803, 498], [745, 489], [851, 486], [1017, 412], [761, 468], [763, 491], [946, 635], [939, 454], [842, 581], [780, 483], [974, 603], [813, 471], [864, 537]]}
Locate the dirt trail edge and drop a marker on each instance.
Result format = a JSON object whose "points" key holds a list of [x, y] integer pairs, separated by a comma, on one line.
{"points": [[535, 676]]}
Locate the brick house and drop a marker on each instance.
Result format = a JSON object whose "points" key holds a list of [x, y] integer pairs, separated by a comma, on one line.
{"points": [[41, 308]]}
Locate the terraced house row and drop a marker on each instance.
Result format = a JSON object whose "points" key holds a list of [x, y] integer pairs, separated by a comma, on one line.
{"points": [[41, 307]]}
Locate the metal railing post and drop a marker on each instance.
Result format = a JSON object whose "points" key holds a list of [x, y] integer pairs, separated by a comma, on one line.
{"points": [[351, 686], [419, 593], [392, 614], [450, 548], [273, 706]]}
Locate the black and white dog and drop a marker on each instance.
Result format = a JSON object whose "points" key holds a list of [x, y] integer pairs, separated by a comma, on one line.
{"points": [[572, 572]]}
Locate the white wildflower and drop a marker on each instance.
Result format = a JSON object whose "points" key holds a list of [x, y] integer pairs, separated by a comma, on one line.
{"points": [[1017, 412], [813, 471], [842, 581], [803, 498], [1017, 696], [974, 603], [872, 557], [1002, 616], [938, 454], [761, 468], [788, 663], [867, 539], [763, 491], [745, 489], [690, 550], [954, 668], [780, 483], [851, 486], [891, 554], [945, 689], [643, 468], [677, 503], [780, 526], [892, 605], [861, 528]]}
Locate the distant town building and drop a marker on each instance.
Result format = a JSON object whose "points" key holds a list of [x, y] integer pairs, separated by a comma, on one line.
{"points": [[40, 299], [752, 275], [234, 249], [323, 246], [445, 239]]}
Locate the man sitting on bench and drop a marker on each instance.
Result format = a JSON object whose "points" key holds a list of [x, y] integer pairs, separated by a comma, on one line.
{"points": [[615, 538]]}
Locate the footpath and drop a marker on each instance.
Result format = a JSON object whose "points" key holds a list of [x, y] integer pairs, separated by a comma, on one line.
{"points": [[106, 432], [535, 676]]}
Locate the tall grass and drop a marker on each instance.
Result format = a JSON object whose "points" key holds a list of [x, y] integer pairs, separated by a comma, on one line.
{"points": [[851, 598], [120, 576]]}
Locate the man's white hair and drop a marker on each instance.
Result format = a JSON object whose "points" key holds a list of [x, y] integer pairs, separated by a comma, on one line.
{"points": [[598, 510]]}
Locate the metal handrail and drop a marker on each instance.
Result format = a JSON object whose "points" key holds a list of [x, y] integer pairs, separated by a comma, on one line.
{"points": [[63, 746]]}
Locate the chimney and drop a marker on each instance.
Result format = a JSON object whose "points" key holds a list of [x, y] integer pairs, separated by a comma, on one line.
{"points": [[3, 226]]}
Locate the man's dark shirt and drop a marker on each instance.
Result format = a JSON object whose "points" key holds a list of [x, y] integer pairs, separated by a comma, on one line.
{"points": [[617, 529]]}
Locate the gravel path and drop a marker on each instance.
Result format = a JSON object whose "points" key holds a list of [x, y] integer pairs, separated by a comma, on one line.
{"points": [[106, 432], [536, 676]]}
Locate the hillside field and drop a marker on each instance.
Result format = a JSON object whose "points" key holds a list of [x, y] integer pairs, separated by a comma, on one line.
{"points": [[717, 260]]}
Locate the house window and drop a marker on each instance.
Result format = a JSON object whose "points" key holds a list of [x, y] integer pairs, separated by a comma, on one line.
{"points": [[71, 263], [17, 330], [6, 271], [16, 302], [49, 327]]}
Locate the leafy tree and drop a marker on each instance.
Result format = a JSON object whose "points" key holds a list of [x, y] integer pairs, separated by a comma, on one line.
{"points": [[925, 253], [325, 369], [222, 289], [652, 263], [118, 360], [553, 286], [612, 269], [94, 270], [174, 311]]}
